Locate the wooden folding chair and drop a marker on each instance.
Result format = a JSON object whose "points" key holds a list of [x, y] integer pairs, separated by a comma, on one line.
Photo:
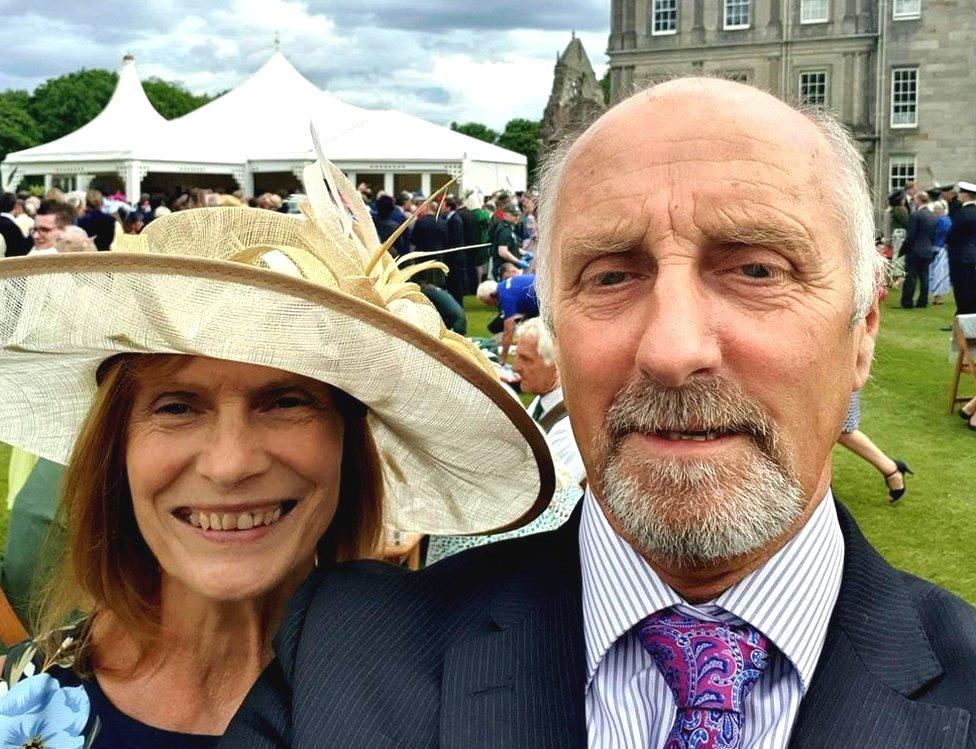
{"points": [[11, 630], [964, 334]]}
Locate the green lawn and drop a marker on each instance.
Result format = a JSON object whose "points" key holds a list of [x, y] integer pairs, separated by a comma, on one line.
{"points": [[4, 514], [931, 532]]}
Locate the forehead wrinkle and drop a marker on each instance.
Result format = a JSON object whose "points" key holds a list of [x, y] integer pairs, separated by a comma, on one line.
{"points": [[669, 162], [738, 145], [754, 223]]}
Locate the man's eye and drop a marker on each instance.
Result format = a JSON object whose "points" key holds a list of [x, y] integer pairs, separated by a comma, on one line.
{"points": [[757, 270], [173, 409], [611, 278]]}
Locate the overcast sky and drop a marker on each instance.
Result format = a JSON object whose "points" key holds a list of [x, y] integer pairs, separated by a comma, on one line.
{"points": [[442, 60]]}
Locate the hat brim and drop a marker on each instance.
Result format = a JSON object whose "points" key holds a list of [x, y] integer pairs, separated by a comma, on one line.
{"points": [[459, 454]]}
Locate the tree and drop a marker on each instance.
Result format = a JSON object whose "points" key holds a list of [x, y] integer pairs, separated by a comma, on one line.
{"points": [[522, 136], [172, 100], [63, 104], [17, 128], [476, 130]]}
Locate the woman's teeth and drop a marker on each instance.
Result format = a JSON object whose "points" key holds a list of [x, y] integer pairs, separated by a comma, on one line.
{"points": [[233, 521]]}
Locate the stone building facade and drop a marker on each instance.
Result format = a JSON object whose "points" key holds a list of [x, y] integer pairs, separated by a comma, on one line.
{"points": [[576, 97], [900, 73]]}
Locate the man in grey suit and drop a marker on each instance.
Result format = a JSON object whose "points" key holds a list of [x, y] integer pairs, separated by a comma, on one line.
{"points": [[918, 249], [708, 591]]}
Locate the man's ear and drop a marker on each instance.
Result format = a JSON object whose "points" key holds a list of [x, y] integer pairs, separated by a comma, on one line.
{"points": [[867, 329]]}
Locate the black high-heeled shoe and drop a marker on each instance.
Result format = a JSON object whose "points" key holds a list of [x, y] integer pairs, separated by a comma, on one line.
{"points": [[902, 468], [964, 416]]}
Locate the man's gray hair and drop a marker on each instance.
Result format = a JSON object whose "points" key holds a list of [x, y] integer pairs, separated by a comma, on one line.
{"points": [[850, 201], [535, 328]]}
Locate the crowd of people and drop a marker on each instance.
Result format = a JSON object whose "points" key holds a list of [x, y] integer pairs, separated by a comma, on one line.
{"points": [[101, 218], [932, 239], [229, 444], [477, 238]]}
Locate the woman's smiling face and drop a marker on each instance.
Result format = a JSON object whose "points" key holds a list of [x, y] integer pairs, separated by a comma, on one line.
{"points": [[234, 473]]}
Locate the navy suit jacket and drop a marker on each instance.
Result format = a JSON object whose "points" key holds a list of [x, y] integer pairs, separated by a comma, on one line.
{"points": [[17, 243], [962, 236], [920, 237], [100, 226], [485, 649]]}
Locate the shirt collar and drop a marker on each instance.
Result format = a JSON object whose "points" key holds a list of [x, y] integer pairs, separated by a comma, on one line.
{"points": [[551, 398], [9, 215], [789, 598]]}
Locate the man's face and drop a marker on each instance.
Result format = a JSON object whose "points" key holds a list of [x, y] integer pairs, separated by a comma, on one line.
{"points": [[537, 376], [46, 232], [705, 346]]}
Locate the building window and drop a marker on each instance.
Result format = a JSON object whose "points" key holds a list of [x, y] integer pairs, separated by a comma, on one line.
{"points": [[736, 14], [901, 169], [813, 11], [904, 97], [813, 89], [739, 76], [665, 17], [902, 10]]}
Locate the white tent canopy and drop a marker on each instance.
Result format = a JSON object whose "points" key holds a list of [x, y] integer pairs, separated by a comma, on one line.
{"points": [[111, 142], [263, 126]]}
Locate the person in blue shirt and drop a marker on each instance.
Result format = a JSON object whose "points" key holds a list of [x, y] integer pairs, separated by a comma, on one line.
{"points": [[516, 300]]}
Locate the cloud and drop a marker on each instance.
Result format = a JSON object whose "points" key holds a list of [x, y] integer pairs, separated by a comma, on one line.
{"points": [[443, 61]]}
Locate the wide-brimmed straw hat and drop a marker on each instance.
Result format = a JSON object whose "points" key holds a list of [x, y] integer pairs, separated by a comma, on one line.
{"points": [[317, 295]]}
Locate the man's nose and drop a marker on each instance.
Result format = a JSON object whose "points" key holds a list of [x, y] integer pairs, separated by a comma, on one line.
{"points": [[233, 451], [679, 339]]}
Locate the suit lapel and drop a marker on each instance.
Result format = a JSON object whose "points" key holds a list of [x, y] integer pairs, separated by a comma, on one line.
{"points": [[521, 684], [876, 658]]}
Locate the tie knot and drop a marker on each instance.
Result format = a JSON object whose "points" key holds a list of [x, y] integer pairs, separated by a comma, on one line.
{"points": [[707, 665]]}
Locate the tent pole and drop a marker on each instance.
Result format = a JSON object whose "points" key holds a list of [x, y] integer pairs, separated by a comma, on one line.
{"points": [[133, 181]]}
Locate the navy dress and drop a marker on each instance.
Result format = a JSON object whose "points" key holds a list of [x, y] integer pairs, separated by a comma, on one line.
{"points": [[55, 707]]}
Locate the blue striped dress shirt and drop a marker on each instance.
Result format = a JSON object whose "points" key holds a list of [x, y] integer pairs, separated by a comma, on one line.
{"points": [[789, 599]]}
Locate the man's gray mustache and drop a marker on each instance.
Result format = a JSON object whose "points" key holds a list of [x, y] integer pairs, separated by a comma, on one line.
{"points": [[703, 405]]}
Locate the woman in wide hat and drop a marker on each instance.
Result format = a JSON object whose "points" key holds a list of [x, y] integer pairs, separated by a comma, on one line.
{"points": [[238, 395]]}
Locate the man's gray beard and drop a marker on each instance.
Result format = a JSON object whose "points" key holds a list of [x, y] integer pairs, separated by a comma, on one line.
{"points": [[692, 511]]}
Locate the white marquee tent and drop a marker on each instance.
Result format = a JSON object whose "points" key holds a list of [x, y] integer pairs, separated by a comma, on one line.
{"points": [[262, 127]]}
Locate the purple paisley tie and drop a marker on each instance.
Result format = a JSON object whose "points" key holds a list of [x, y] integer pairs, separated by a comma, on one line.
{"points": [[710, 668]]}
